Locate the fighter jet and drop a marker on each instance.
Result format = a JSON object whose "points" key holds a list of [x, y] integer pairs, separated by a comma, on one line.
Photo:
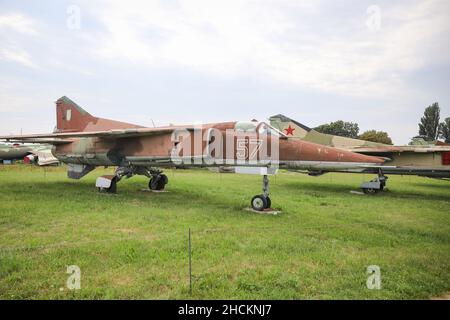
{"points": [[15, 151], [36, 154], [84, 142], [424, 160]]}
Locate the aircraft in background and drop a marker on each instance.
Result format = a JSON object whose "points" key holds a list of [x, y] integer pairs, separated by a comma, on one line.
{"points": [[84, 142], [431, 161], [38, 154]]}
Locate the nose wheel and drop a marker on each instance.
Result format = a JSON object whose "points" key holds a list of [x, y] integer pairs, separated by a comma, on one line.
{"points": [[262, 201]]}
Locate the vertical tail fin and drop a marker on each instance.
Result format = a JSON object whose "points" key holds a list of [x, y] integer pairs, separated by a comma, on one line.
{"points": [[289, 126], [297, 130], [70, 117]]}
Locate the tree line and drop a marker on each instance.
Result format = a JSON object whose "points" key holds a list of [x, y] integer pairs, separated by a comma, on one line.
{"points": [[430, 128]]}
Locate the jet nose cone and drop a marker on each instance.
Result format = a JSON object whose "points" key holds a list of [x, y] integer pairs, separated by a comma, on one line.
{"points": [[340, 155], [368, 159]]}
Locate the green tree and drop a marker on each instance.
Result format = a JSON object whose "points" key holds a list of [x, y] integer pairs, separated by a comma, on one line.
{"points": [[340, 128], [429, 123], [445, 130], [418, 141], [376, 136]]}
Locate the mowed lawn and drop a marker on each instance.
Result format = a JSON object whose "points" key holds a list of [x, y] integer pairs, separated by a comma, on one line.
{"points": [[135, 244]]}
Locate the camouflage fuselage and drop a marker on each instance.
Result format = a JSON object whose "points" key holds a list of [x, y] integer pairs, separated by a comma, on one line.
{"points": [[158, 150]]}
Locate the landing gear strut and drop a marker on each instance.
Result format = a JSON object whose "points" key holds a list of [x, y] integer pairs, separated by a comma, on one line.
{"points": [[376, 185], [262, 201], [158, 180]]}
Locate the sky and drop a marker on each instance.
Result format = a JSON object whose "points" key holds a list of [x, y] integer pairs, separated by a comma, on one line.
{"points": [[377, 63]]}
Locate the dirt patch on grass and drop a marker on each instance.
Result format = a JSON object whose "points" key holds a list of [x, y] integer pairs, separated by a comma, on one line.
{"points": [[444, 297], [123, 280]]}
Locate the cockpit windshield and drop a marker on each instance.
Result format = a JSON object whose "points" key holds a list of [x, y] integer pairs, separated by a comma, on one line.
{"points": [[260, 127], [246, 126]]}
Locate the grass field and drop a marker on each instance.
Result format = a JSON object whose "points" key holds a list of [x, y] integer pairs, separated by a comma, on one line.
{"points": [[134, 244]]}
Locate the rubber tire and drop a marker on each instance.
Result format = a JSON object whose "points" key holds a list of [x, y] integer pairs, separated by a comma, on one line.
{"points": [[370, 191], [159, 184], [164, 178], [153, 184], [269, 203], [259, 202], [113, 187]]}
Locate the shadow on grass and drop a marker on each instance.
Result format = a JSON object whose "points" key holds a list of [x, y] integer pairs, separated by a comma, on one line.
{"points": [[344, 189], [400, 230], [127, 192], [436, 185], [61, 186], [198, 197]]}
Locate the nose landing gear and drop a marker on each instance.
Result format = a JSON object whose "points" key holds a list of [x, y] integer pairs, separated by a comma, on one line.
{"points": [[262, 201]]}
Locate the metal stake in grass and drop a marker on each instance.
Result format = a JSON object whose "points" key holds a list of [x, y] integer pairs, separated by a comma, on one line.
{"points": [[190, 264]]}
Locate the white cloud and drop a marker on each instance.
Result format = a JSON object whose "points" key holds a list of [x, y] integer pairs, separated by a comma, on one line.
{"points": [[11, 99], [17, 55], [11, 25], [273, 39], [18, 23]]}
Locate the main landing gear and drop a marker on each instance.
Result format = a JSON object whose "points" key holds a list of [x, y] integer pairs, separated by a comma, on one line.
{"points": [[262, 201], [376, 185], [108, 183], [158, 182]]}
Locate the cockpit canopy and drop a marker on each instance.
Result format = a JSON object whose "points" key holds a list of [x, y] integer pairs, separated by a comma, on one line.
{"points": [[255, 126]]}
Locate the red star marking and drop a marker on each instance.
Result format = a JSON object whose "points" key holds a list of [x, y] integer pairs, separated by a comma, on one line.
{"points": [[289, 130]]}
